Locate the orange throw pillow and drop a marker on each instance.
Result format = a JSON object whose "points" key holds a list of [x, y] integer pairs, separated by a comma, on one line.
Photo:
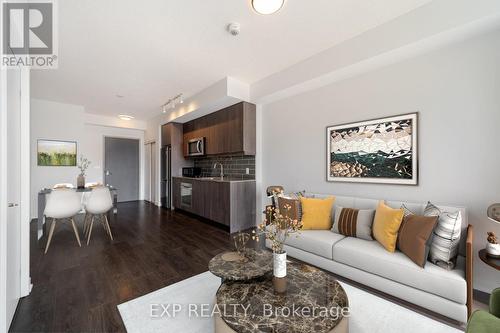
{"points": [[317, 213], [386, 225]]}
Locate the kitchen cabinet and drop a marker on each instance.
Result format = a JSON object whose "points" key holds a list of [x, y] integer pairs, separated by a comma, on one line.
{"points": [[166, 134], [176, 192], [171, 160], [230, 203], [228, 131], [212, 200]]}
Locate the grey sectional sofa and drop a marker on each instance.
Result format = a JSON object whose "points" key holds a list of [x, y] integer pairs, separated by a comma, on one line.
{"points": [[445, 292]]}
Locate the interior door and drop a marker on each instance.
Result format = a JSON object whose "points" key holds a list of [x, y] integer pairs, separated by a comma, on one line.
{"points": [[121, 167], [13, 254]]}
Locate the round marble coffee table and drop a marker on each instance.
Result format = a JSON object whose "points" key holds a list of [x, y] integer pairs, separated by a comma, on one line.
{"points": [[232, 266], [314, 302]]}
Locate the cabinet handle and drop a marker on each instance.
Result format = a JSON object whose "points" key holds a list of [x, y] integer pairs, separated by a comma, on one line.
{"points": [[10, 205]]}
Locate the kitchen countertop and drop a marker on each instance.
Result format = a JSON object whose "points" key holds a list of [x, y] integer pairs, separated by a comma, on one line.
{"points": [[218, 179]]}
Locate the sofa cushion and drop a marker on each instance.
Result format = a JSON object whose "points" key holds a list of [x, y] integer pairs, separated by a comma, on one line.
{"points": [[290, 208], [371, 257], [319, 242], [446, 240], [317, 213], [415, 236], [386, 225], [353, 222]]}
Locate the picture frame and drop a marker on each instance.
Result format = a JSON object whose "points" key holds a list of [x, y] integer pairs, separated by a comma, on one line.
{"points": [[58, 153], [382, 151]]}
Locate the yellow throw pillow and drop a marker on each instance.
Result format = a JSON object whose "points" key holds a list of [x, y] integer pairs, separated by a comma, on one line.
{"points": [[317, 213], [386, 225]]}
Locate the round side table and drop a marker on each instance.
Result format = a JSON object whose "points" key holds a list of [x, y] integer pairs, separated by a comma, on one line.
{"points": [[495, 263], [231, 266]]}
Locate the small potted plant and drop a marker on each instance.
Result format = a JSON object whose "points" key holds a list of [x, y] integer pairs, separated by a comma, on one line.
{"points": [[83, 165], [277, 230]]}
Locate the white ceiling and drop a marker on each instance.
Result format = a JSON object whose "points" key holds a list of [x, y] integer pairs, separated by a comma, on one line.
{"points": [[149, 51]]}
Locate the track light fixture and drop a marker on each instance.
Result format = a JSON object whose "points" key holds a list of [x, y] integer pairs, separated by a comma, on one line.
{"points": [[171, 103]]}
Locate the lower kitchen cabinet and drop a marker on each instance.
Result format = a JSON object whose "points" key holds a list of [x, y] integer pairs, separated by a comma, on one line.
{"points": [[231, 203]]}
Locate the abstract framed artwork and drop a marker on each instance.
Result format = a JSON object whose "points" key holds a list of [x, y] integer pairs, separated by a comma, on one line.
{"points": [[56, 153], [383, 151]]}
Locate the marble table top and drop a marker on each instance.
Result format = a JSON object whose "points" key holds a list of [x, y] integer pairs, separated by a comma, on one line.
{"points": [[232, 266], [318, 300]]}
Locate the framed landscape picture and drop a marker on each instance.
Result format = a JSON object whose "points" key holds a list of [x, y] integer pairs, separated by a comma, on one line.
{"points": [[374, 151], [56, 153]]}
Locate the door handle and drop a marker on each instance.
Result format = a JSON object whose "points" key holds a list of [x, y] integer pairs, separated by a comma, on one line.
{"points": [[10, 205], [108, 173]]}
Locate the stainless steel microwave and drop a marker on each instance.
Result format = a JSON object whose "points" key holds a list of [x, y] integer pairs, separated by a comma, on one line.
{"points": [[196, 147]]}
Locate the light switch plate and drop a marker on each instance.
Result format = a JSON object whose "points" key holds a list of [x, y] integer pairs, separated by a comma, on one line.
{"points": [[247, 171]]}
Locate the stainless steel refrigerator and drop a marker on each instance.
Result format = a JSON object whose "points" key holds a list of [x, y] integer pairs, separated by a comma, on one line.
{"points": [[166, 177]]}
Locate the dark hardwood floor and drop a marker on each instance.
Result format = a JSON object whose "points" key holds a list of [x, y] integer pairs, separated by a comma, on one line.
{"points": [[77, 289]]}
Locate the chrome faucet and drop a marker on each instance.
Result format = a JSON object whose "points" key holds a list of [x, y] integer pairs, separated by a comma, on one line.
{"points": [[221, 169]]}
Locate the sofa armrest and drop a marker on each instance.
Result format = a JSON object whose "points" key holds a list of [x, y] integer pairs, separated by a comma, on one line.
{"points": [[469, 257]]}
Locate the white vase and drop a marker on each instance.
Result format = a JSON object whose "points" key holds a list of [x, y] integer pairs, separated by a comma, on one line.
{"points": [[279, 264], [493, 249]]}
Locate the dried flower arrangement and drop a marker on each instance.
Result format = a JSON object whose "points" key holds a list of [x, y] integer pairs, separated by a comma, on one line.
{"points": [[492, 239], [83, 165], [277, 229]]}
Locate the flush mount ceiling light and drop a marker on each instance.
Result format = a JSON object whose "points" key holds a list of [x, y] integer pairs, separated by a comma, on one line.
{"points": [[125, 117], [171, 103], [267, 7]]}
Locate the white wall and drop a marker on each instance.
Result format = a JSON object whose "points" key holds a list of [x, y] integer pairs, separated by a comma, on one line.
{"points": [[402, 38], [221, 94], [93, 148], [456, 90], [57, 121]]}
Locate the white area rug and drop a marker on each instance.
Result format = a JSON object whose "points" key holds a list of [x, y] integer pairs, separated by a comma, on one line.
{"points": [[369, 313]]}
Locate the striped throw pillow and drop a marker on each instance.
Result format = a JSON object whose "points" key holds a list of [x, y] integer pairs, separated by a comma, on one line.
{"points": [[354, 222], [446, 240]]}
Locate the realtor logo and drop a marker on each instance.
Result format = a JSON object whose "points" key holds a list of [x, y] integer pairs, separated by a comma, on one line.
{"points": [[29, 34]]}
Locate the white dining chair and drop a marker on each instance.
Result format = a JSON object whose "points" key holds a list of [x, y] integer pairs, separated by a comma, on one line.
{"points": [[62, 204], [85, 198], [85, 195], [98, 204]]}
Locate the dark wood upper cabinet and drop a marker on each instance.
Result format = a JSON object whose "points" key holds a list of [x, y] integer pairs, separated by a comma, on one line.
{"points": [[228, 131], [166, 134]]}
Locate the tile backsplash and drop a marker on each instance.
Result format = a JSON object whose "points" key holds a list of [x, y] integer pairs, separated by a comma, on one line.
{"points": [[234, 166]]}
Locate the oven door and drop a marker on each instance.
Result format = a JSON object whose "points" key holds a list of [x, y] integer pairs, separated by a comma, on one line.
{"points": [[196, 147], [186, 195]]}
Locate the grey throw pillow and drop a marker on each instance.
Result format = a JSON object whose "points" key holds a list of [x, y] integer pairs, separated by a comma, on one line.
{"points": [[407, 211], [354, 222], [446, 240]]}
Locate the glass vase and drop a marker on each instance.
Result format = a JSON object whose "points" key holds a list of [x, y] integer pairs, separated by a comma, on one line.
{"points": [[80, 181]]}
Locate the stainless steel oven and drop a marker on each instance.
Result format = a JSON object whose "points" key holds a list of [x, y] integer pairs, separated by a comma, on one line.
{"points": [[186, 195], [196, 147]]}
